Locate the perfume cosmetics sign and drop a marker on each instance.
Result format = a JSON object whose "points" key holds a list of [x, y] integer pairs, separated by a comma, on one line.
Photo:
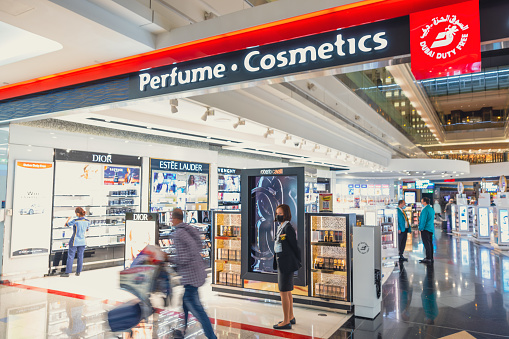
{"points": [[446, 41], [32, 208], [362, 43]]}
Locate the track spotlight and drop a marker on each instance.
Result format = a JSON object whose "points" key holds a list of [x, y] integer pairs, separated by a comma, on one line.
{"points": [[316, 147], [240, 122], [269, 132], [174, 103], [286, 138], [207, 113]]}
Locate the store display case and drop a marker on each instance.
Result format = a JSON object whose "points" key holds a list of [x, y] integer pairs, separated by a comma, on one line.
{"points": [[330, 255], [178, 184], [106, 192], [197, 219], [503, 227], [228, 188], [201, 221], [227, 249], [388, 222], [482, 224]]}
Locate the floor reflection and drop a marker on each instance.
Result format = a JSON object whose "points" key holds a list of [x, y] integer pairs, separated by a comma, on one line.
{"points": [[466, 289]]}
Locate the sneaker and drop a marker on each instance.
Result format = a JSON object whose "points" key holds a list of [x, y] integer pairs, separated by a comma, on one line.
{"points": [[65, 275], [78, 274], [402, 258]]}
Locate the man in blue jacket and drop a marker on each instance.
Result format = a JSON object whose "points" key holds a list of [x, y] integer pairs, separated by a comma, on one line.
{"points": [[427, 228], [403, 229]]}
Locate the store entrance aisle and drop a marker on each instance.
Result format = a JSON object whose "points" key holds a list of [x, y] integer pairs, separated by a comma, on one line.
{"points": [[467, 289], [56, 307]]}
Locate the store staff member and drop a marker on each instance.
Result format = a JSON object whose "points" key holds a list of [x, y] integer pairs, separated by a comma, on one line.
{"points": [[403, 229], [427, 228], [287, 260], [77, 243]]}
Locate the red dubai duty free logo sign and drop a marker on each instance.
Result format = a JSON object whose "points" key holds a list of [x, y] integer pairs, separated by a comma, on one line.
{"points": [[446, 41]]}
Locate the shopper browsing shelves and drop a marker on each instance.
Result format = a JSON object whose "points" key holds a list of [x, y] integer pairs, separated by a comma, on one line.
{"points": [[287, 260], [191, 268], [403, 229], [427, 228], [77, 242]]}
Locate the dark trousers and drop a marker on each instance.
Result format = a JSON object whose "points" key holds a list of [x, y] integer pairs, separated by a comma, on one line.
{"points": [[191, 303], [427, 241], [402, 242]]}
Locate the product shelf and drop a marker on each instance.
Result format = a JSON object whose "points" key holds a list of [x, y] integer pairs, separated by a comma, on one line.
{"points": [[319, 270], [335, 244]]}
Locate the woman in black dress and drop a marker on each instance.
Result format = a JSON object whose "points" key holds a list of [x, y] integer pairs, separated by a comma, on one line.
{"points": [[287, 261]]}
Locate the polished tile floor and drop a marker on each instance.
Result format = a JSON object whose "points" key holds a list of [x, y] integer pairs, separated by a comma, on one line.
{"points": [[466, 289], [465, 294]]}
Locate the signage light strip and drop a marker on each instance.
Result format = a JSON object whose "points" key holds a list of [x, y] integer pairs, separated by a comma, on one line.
{"points": [[299, 26]]}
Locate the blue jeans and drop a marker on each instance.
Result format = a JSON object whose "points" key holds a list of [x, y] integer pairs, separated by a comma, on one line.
{"points": [[70, 258], [191, 303]]}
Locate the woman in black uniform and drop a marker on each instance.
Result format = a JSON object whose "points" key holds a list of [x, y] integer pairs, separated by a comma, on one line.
{"points": [[287, 260]]}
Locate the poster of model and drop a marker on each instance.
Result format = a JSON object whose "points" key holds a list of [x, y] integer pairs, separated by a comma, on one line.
{"points": [[33, 182], [140, 231], [268, 193]]}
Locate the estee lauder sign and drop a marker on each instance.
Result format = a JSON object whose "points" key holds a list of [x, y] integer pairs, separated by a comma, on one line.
{"points": [[357, 44]]}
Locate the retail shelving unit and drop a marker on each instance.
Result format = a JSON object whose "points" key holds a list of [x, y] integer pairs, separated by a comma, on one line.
{"points": [[388, 221], [226, 249], [330, 255], [482, 223], [106, 191]]}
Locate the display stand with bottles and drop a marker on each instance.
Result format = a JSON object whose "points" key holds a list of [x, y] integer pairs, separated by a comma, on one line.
{"points": [[330, 255], [388, 222], [482, 224], [226, 249]]}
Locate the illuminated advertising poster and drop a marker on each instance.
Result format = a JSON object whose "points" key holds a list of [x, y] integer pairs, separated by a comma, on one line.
{"points": [[178, 184], [410, 197], [386, 190], [463, 218], [453, 213], [265, 203], [364, 190], [504, 226], [121, 175], [263, 190], [32, 205], [371, 189], [357, 190], [378, 189], [140, 231], [484, 228], [446, 41]]}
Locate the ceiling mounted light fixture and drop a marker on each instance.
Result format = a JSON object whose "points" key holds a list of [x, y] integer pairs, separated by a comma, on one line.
{"points": [[207, 113], [268, 132], [286, 138], [316, 147], [240, 122], [174, 103]]}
